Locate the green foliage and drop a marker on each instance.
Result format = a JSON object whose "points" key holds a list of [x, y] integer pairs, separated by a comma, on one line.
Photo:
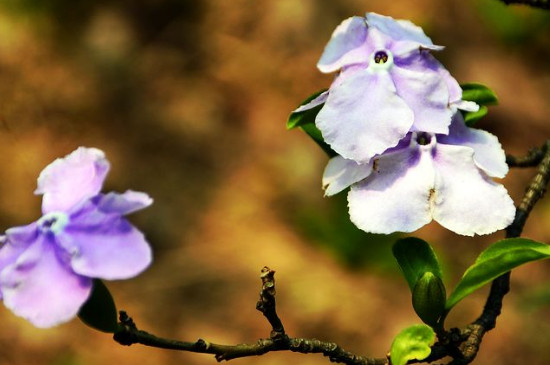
{"points": [[297, 119], [413, 343], [481, 95], [478, 93], [428, 298], [415, 257], [306, 121], [422, 271], [515, 25], [99, 311], [496, 260], [471, 118], [316, 135]]}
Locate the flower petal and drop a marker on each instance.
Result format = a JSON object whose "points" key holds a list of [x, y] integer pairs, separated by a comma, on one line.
{"points": [[426, 93], [488, 153], [352, 120], [396, 196], [320, 99], [122, 204], [401, 30], [105, 246], [15, 242], [466, 200], [346, 46], [41, 288], [70, 180], [466, 105], [341, 173]]}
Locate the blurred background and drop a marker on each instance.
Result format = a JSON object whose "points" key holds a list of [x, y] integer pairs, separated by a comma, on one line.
{"points": [[189, 101]]}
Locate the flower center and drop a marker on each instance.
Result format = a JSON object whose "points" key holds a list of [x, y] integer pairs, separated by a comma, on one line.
{"points": [[381, 57], [423, 138], [381, 60], [53, 222]]}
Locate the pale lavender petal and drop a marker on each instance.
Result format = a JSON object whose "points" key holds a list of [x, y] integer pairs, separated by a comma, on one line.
{"points": [[320, 99], [466, 200], [352, 121], [426, 93], [396, 196], [122, 204], [455, 91], [346, 45], [401, 30], [426, 61], [488, 153], [105, 246], [468, 106], [41, 288], [22, 235], [341, 173], [15, 242], [68, 181]]}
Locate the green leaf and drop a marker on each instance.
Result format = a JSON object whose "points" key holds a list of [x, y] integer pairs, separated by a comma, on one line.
{"points": [[471, 118], [478, 93], [415, 257], [297, 119], [428, 298], [413, 343], [316, 135], [496, 260], [99, 311]]}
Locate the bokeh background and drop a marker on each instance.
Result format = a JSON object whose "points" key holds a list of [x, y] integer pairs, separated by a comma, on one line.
{"points": [[189, 100]]}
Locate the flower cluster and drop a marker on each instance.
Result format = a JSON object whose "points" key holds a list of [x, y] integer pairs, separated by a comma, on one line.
{"points": [[47, 267], [392, 115]]}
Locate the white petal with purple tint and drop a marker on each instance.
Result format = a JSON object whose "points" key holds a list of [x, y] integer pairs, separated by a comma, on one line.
{"points": [[341, 173], [105, 246], [401, 30], [125, 203], [352, 121], [466, 200], [68, 181], [426, 93], [488, 153], [346, 45], [320, 99], [41, 288], [396, 196]]}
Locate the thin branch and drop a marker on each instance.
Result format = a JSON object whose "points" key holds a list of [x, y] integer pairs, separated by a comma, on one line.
{"points": [[541, 4], [533, 158], [128, 334], [266, 305], [462, 345]]}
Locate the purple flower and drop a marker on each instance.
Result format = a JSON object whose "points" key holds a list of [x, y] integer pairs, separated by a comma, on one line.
{"points": [[428, 176], [389, 84], [47, 267]]}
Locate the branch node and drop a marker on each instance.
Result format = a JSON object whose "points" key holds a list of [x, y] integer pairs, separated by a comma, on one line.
{"points": [[202, 344], [266, 305]]}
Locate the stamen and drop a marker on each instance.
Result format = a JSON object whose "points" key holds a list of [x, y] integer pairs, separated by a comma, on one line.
{"points": [[423, 138], [381, 57]]}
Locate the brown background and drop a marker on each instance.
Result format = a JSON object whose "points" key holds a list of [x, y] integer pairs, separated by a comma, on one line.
{"points": [[189, 100]]}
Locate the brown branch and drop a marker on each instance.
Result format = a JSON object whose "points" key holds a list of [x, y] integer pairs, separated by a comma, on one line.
{"points": [[266, 305], [533, 158], [128, 334], [462, 345], [541, 4]]}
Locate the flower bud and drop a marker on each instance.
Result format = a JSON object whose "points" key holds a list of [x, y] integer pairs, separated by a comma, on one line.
{"points": [[428, 298]]}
